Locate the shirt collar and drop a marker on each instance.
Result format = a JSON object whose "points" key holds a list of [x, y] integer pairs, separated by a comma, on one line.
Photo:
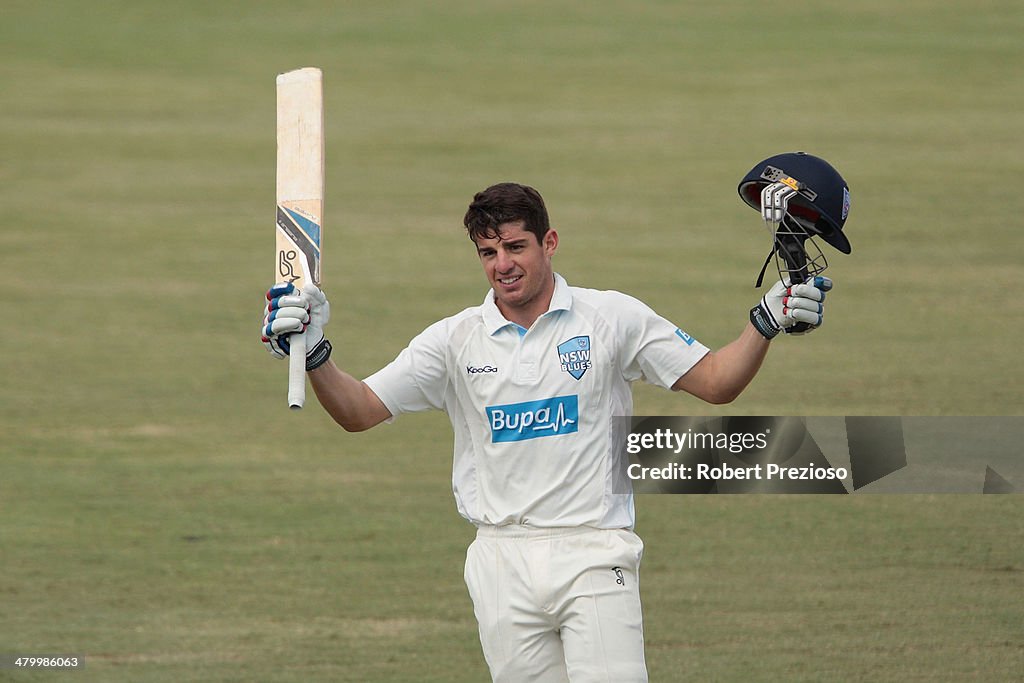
{"points": [[561, 300]]}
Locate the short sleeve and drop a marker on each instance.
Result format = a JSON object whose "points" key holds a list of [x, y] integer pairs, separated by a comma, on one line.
{"points": [[650, 347], [416, 380]]}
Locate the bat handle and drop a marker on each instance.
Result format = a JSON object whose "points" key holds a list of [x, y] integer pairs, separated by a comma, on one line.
{"points": [[297, 371]]}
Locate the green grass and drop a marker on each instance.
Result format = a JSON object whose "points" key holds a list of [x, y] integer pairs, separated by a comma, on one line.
{"points": [[165, 515]]}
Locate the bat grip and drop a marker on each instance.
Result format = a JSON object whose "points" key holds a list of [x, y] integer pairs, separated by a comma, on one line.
{"points": [[297, 371], [791, 248]]}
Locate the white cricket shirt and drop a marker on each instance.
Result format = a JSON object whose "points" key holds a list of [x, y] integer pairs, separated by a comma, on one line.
{"points": [[532, 409]]}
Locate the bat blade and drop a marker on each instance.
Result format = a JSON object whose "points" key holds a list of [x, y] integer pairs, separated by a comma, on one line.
{"points": [[300, 198]]}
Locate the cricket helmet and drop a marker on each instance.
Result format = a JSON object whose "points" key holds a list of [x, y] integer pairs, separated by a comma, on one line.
{"points": [[822, 203]]}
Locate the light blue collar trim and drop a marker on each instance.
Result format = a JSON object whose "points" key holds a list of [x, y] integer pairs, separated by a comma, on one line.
{"points": [[561, 300]]}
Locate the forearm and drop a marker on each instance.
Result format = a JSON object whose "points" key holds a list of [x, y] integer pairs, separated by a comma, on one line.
{"points": [[351, 403], [722, 375], [739, 362]]}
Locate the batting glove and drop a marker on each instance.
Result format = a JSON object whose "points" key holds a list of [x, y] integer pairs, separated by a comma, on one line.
{"points": [[786, 305], [290, 310]]}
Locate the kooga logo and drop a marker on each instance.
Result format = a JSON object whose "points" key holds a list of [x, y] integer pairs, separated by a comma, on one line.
{"points": [[534, 419]]}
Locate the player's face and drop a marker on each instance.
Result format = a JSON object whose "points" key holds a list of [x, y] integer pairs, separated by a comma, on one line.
{"points": [[519, 270]]}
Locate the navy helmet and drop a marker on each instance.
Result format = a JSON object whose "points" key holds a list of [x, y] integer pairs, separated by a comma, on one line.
{"points": [[823, 202]]}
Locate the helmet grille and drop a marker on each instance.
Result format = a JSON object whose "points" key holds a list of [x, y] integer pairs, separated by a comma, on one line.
{"points": [[797, 256]]}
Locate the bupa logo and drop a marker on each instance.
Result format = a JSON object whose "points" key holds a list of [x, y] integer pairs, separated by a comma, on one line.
{"points": [[685, 337], [534, 419], [574, 356]]}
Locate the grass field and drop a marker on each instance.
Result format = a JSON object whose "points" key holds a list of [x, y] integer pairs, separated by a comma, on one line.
{"points": [[161, 511]]}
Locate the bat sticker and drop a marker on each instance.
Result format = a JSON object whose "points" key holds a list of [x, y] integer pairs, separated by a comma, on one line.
{"points": [[304, 234], [284, 265]]}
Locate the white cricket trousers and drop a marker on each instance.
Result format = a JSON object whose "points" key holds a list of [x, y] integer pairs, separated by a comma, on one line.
{"points": [[557, 605]]}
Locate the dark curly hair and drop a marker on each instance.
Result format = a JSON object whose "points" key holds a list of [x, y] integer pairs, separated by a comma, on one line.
{"points": [[506, 203]]}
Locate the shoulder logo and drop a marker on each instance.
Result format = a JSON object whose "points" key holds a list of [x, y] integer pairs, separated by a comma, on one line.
{"points": [[574, 356], [685, 337]]}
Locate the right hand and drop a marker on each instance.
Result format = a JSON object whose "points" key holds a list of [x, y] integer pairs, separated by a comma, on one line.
{"points": [[784, 306], [290, 310]]}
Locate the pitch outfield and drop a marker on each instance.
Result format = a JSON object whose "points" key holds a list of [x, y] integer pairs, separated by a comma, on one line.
{"points": [[164, 515]]}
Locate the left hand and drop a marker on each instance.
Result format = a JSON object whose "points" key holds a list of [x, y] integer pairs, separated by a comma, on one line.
{"points": [[290, 310], [285, 314], [785, 305]]}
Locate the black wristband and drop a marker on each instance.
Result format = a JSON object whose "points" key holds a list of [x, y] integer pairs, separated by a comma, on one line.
{"points": [[318, 355], [759, 319]]}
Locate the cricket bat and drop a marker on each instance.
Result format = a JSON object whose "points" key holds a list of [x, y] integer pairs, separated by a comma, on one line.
{"points": [[300, 198]]}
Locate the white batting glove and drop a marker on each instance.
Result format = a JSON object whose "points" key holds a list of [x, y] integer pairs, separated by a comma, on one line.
{"points": [[288, 311], [783, 306], [318, 348], [284, 314]]}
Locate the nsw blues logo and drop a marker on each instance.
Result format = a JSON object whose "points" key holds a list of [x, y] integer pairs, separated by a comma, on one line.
{"points": [[534, 419], [574, 356]]}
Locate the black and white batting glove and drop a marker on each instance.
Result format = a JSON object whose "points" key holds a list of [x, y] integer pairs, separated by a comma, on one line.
{"points": [[785, 305], [289, 310]]}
